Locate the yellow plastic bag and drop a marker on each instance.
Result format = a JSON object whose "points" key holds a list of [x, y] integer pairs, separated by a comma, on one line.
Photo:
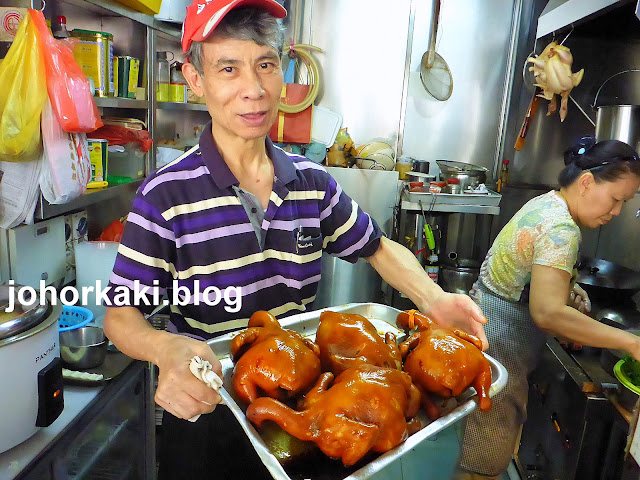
{"points": [[22, 96]]}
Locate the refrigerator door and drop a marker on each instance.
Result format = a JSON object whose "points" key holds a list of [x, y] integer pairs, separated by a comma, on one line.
{"points": [[376, 192]]}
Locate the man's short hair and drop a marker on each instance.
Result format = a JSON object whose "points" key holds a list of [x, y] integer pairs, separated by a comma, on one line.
{"points": [[242, 23]]}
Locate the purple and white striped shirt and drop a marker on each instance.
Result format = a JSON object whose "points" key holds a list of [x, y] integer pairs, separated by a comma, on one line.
{"points": [[187, 224]]}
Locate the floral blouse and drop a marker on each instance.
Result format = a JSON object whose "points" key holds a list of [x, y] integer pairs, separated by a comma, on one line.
{"points": [[542, 232]]}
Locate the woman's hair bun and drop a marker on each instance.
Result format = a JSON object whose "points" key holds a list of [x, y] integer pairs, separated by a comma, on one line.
{"points": [[573, 154]]}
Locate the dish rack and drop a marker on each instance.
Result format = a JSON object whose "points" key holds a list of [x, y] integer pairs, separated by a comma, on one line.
{"points": [[74, 317]]}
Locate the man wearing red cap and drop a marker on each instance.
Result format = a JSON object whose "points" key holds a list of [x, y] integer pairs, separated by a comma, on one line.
{"points": [[237, 214]]}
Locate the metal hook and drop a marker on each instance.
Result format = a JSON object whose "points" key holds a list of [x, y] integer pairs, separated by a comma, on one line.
{"points": [[44, 4], [565, 38]]}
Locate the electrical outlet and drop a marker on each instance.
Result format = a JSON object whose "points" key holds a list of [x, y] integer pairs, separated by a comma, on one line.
{"points": [[79, 226]]}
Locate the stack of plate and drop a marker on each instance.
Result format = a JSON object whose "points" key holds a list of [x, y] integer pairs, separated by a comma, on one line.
{"points": [[376, 156]]}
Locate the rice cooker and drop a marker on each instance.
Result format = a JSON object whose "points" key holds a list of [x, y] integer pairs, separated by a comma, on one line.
{"points": [[31, 395]]}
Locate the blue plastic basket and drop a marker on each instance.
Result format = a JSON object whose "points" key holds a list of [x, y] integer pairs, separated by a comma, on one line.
{"points": [[74, 317]]}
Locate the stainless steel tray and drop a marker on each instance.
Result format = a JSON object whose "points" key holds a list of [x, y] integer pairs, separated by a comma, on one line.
{"points": [[384, 318]]}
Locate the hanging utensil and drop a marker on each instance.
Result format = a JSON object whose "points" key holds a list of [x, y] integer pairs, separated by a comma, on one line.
{"points": [[428, 232], [434, 71], [531, 111]]}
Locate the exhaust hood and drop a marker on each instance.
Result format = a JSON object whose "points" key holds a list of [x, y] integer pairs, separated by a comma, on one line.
{"points": [[561, 13]]}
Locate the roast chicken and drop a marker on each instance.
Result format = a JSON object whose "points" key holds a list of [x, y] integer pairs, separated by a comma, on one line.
{"points": [[347, 340], [272, 361], [365, 408], [443, 361], [552, 70]]}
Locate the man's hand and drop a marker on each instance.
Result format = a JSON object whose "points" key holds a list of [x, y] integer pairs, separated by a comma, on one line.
{"points": [[179, 391], [458, 311]]}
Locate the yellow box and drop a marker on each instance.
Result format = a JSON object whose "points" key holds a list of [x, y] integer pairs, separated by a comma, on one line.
{"points": [[150, 7]]}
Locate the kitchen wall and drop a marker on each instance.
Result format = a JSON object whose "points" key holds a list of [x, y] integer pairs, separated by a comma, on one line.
{"points": [[603, 46], [370, 72]]}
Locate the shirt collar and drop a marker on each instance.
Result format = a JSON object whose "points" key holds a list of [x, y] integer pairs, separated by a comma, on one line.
{"points": [[283, 167]]}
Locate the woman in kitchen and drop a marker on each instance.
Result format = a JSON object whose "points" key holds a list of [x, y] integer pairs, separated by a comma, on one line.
{"points": [[526, 288]]}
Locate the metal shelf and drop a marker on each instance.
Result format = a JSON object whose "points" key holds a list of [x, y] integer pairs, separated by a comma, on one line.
{"points": [[449, 208], [173, 106], [112, 8], [45, 210], [452, 203], [119, 102]]}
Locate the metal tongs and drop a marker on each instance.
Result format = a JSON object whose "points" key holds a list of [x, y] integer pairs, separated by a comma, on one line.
{"points": [[428, 232]]}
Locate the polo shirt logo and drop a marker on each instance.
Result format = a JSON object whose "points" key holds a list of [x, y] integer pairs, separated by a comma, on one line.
{"points": [[303, 241]]}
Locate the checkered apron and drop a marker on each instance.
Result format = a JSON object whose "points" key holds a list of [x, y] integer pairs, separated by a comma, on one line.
{"points": [[516, 342]]}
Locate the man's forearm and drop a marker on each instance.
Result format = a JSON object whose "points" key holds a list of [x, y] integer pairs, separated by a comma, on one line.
{"points": [[127, 328], [400, 269]]}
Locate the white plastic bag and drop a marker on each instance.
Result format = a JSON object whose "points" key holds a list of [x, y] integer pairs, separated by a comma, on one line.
{"points": [[66, 168]]}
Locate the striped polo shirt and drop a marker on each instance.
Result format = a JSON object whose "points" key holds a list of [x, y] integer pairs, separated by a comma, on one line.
{"points": [[189, 234]]}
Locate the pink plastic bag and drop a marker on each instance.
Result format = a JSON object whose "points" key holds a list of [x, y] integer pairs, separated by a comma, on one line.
{"points": [[66, 166], [68, 87]]}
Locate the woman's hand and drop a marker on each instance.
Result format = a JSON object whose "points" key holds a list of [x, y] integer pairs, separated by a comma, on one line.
{"points": [[458, 311], [634, 348], [179, 391], [579, 299]]}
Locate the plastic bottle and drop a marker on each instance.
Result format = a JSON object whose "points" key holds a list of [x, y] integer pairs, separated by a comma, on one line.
{"points": [[504, 175], [432, 267], [163, 77], [61, 32]]}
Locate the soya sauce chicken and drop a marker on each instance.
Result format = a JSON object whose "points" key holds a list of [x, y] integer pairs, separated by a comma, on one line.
{"points": [[365, 408], [443, 361], [269, 359], [363, 401], [347, 340]]}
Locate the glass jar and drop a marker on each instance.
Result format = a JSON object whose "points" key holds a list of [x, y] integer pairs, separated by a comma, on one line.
{"points": [[163, 77], [403, 165]]}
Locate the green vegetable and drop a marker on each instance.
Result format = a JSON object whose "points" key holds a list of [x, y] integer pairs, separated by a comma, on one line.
{"points": [[631, 369], [284, 447]]}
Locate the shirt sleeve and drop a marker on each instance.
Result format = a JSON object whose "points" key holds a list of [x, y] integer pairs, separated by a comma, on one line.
{"points": [[348, 232], [558, 247], [146, 259]]}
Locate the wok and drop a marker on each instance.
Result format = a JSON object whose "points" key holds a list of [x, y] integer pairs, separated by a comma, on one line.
{"points": [[607, 283]]}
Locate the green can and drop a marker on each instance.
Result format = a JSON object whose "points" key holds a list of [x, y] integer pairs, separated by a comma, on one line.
{"points": [[128, 69], [99, 157]]}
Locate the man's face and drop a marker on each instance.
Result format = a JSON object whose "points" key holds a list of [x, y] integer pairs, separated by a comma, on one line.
{"points": [[241, 84]]}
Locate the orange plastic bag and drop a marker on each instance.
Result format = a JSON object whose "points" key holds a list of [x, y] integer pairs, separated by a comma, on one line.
{"points": [[22, 96], [68, 87]]}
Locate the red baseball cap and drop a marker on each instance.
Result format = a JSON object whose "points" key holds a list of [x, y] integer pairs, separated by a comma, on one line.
{"points": [[205, 15]]}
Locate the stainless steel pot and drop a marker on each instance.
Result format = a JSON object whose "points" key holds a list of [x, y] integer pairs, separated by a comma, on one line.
{"points": [[458, 278], [467, 174], [420, 166], [618, 122]]}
